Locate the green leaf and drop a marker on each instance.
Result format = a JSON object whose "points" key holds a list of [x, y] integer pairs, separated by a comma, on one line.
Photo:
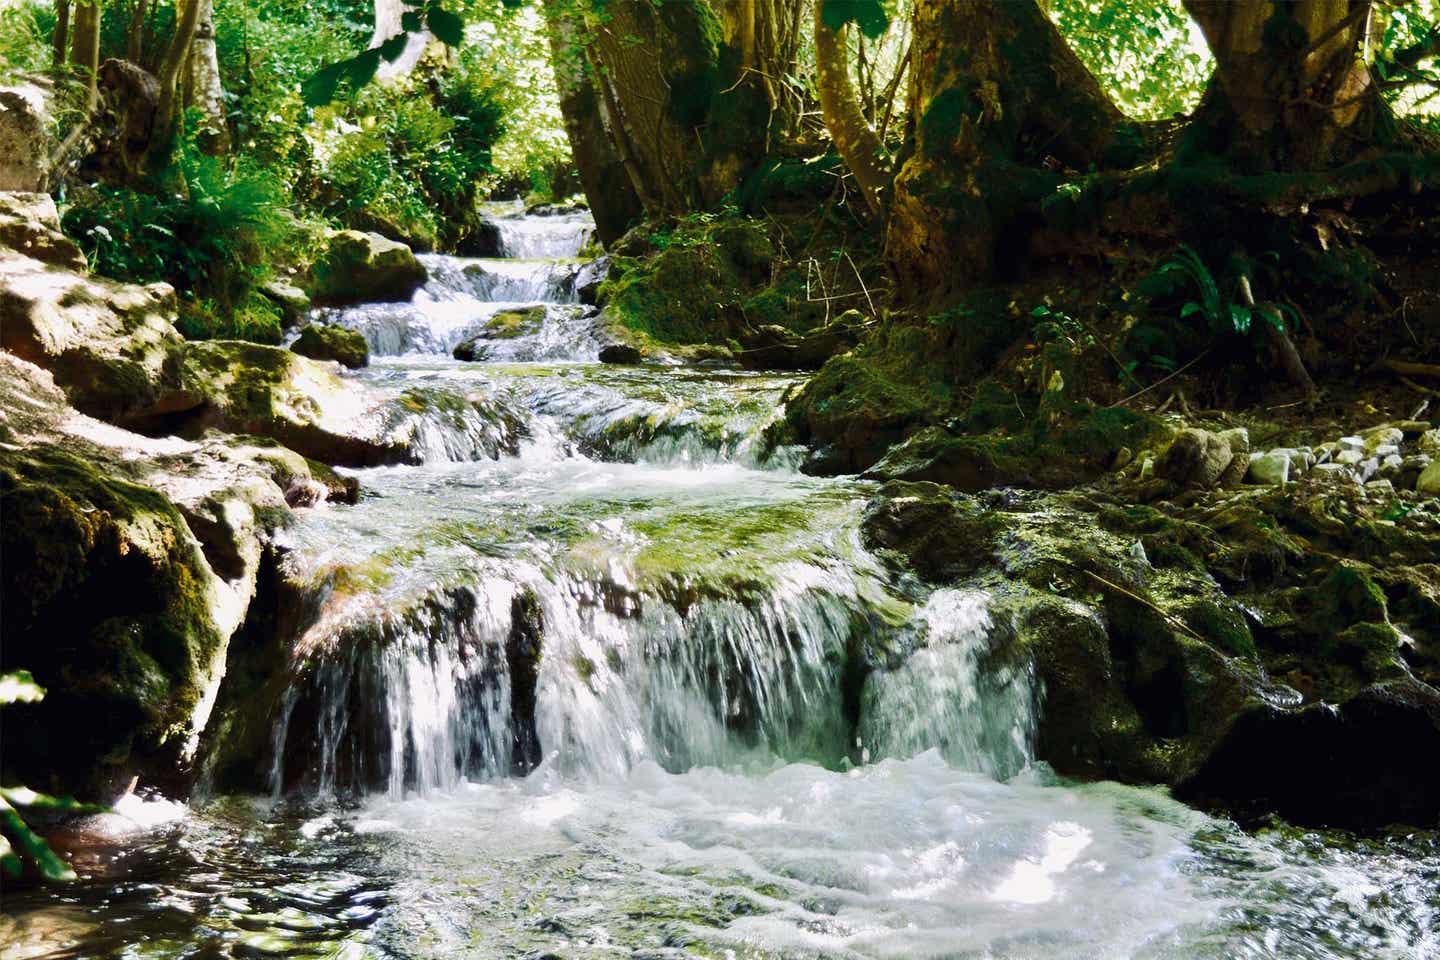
{"points": [[25, 798], [411, 21], [1189, 309], [20, 687], [1240, 317], [448, 28], [31, 846]]}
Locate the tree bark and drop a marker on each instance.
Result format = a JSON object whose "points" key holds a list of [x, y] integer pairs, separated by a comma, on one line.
{"points": [[85, 45], [205, 90], [996, 97], [612, 199], [1290, 91], [135, 32], [167, 79], [688, 91], [854, 138], [60, 35]]}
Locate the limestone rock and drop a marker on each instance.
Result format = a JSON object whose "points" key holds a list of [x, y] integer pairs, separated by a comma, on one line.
{"points": [[365, 267], [24, 142], [1429, 443], [1272, 467], [1195, 458], [30, 225], [130, 561], [330, 342], [294, 303]]}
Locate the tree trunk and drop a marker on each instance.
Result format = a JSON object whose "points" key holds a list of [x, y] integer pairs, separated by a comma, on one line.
{"points": [[683, 92], [59, 37], [205, 90], [167, 80], [135, 32], [855, 140], [1289, 90], [612, 199], [388, 14], [85, 45], [997, 98]]}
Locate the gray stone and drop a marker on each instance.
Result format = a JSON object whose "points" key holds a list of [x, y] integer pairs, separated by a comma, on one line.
{"points": [[365, 267], [1270, 468], [1380, 488], [1377, 437], [1351, 443], [1428, 485], [1349, 457], [1367, 468], [1430, 443], [1195, 458], [1332, 473], [1390, 466], [24, 143]]}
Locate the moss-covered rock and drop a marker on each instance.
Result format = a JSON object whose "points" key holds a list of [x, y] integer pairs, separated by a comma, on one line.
{"points": [[329, 342], [129, 562], [30, 225], [362, 267]]}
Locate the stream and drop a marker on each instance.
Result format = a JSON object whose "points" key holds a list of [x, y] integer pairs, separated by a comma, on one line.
{"points": [[590, 699]]}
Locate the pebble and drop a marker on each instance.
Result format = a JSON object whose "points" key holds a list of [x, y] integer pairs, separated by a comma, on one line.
{"points": [[1349, 457], [1429, 483], [1352, 443], [1333, 473]]}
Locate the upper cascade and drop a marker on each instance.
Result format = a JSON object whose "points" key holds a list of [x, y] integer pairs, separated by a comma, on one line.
{"points": [[546, 236]]}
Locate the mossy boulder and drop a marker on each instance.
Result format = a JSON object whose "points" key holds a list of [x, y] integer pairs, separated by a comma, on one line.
{"points": [[361, 267], [940, 534], [129, 563], [323, 341]]}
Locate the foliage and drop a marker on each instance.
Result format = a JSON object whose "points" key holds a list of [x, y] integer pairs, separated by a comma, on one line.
{"points": [[1222, 313], [357, 71], [24, 39], [1150, 58], [213, 230], [19, 844]]}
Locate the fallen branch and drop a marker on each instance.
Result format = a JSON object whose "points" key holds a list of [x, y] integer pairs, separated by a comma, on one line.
{"points": [[1169, 376], [1409, 369], [1174, 621]]}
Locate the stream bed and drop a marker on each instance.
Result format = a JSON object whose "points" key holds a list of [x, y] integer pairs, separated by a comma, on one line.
{"points": [[590, 699]]}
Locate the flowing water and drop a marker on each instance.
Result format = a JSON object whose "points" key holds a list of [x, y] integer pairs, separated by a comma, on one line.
{"points": [[595, 696]]}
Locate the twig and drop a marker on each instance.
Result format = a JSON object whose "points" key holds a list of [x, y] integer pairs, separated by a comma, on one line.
{"points": [[1419, 388], [1169, 376], [1169, 618], [1410, 369], [862, 283]]}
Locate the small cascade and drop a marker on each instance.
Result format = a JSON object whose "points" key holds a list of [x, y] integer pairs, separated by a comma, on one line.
{"points": [[548, 236]]}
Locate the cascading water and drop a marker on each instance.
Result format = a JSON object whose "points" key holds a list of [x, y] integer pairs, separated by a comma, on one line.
{"points": [[634, 687]]}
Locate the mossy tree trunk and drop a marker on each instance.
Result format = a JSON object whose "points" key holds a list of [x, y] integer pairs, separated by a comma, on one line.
{"points": [[204, 88], [855, 140], [168, 80], [1000, 105], [1290, 90], [612, 199], [60, 34], [85, 45], [683, 93]]}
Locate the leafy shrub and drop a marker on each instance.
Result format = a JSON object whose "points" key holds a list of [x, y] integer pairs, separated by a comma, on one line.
{"points": [[212, 230]]}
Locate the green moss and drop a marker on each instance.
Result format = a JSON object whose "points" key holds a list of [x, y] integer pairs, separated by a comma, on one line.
{"points": [[1223, 626], [509, 324], [329, 342], [1348, 595]]}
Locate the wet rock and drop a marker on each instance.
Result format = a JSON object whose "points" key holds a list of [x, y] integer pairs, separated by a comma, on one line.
{"points": [[509, 324], [365, 267], [619, 353], [330, 342], [940, 535], [589, 279], [134, 559], [24, 142], [773, 347], [483, 240], [470, 350], [30, 225], [1356, 764]]}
